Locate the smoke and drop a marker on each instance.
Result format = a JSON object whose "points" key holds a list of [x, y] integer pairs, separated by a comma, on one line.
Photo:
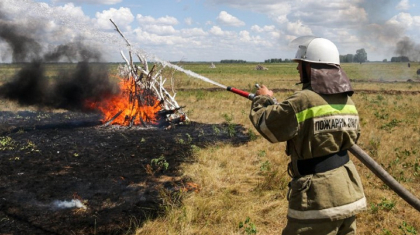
{"points": [[87, 82], [377, 11], [71, 88], [22, 46], [71, 52], [408, 48], [383, 32], [378, 29], [75, 203], [27, 86]]}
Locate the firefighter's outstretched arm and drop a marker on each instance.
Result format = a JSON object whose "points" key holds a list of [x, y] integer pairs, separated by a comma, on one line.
{"points": [[274, 121]]}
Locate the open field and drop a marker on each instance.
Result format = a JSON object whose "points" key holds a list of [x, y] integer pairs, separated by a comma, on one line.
{"points": [[238, 176]]}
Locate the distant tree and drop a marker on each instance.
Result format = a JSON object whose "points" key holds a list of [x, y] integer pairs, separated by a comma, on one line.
{"points": [[346, 58], [273, 60], [385, 60], [405, 59], [361, 56], [350, 58]]}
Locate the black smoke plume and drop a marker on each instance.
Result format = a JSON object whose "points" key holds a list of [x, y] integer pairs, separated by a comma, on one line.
{"points": [[71, 88], [71, 52], [408, 48], [23, 46], [86, 83], [27, 86]]}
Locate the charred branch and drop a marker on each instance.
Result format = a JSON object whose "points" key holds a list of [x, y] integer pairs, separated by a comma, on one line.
{"points": [[113, 118], [142, 121]]}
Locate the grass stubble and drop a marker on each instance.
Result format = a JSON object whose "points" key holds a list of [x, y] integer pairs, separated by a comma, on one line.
{"points": [[247, 184]]}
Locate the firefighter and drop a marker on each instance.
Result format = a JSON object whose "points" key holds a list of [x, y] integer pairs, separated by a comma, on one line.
{"points": [[319, 123]]}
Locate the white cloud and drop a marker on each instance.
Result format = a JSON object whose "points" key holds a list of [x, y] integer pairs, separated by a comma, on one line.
{"points": [[351, 24], [266, 28], [227, 19], [188, 21], [167, 20], [298, 28], [351, 14], [416, 20], [403, 20], [275, 35], [122, 17], [257, 28], [272, 8], [282, 19], [256, 41], [160, 29], [216, 30], [194, 32], [244, 36], [71, 10], [147, 38], [404, 5], [106, 2]]}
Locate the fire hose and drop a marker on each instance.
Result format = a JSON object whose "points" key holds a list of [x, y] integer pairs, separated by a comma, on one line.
{"points": [[371, 164]]}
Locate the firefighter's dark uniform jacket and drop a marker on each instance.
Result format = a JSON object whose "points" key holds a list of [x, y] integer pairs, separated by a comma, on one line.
{"points": [[315, 126]]}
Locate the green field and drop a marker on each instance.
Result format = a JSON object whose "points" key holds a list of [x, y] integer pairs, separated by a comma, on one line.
{"points": [[250, 181]]}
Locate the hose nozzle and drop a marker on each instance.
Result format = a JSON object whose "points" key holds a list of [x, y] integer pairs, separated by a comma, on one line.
{"points": [[241, 92]]}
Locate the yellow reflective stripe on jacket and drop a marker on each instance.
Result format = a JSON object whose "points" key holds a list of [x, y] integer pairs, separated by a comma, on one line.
{"points": [[325, 110]]}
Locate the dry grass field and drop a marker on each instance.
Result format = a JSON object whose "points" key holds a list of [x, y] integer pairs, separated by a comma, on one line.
{"points": [[242, 187], [250, 181]]}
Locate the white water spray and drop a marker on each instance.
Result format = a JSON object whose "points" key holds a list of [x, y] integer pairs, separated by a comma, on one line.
{"points": [[57, 15], [190, 73]]}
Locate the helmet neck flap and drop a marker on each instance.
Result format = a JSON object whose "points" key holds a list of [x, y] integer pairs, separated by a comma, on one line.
{"points": [[329, 79]]}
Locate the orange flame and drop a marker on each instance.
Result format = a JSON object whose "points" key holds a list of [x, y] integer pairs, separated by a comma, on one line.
{"points": [[133, 109], [191, 186]]}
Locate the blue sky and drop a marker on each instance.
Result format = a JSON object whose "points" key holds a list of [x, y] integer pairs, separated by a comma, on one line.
{"points": [[213, 30]]}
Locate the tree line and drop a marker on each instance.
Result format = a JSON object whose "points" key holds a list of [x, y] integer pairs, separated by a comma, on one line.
{"points": [[232, 61], [400, 59], [359, 57]]}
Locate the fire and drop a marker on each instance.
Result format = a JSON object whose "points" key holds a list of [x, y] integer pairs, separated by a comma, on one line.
{"points": [[131, 106], [191, 186]]}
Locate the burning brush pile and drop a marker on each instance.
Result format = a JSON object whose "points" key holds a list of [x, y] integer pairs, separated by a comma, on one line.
{"points": [[143, 98], [139, 99]]}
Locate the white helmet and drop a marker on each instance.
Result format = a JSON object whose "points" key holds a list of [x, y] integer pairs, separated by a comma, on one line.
{"points": [[316, 50]]}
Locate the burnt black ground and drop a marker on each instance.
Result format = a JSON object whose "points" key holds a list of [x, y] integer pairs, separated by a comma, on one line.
{"points": [[46, 156]]}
